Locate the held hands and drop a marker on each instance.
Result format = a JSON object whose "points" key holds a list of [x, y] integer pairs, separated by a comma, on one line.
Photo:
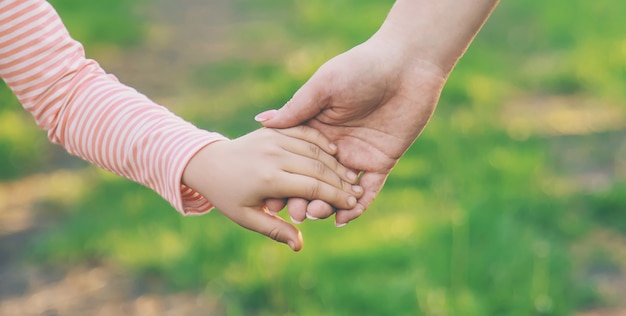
{"points": [[247, 178], [372, 102]]}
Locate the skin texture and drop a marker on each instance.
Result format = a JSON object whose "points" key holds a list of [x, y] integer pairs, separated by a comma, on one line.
{"points": [[374, 100], [239, 176]]}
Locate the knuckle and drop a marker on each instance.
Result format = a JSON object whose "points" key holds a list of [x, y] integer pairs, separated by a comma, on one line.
{"points": [[270, 151], [314, 191], [266, 178], [263, 133], [274, 233], [340, 197], [358, 212], [302, 129], [269, 135], [355, 212], [347, 187], [315, 151], [319, 167], [338, 183]]}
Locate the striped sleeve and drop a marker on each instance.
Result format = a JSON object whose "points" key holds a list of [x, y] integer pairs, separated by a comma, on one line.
{"points": [[90, 113]]}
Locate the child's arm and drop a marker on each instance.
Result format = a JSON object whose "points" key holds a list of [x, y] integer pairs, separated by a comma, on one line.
{"points": [[90, 113], [237, 177]]}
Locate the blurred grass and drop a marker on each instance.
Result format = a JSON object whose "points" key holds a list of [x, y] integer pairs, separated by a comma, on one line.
{"points": [[471, 222]]}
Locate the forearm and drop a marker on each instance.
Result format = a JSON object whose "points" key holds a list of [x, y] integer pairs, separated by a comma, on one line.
{"points": [[90, 113], [436, 32]]}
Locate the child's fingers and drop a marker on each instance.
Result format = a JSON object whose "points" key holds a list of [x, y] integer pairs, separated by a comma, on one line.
{"points": [[311, 143], [315, 169], [316, 154], [309, 188]]}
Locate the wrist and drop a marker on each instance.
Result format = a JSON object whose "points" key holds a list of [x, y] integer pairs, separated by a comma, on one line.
{"points": [[199, 167], [433, 32]]}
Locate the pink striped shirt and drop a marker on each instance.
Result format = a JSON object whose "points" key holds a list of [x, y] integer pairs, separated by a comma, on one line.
{"points": [[90, 113]]}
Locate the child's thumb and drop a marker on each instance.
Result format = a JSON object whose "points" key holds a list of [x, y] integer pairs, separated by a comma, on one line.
{"points": [[273, 227]]}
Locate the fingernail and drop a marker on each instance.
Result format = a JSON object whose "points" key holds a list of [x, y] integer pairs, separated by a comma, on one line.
{"points": [[351, 176], [357, 189], [295, 221], [313, 218], [340, 225], [351, 201], [332, 147], [292, 245], [264, 116]]}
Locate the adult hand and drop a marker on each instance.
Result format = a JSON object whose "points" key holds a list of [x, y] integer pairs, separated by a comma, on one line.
{"points": [[238, 176], [375, 99], [372, 102]]}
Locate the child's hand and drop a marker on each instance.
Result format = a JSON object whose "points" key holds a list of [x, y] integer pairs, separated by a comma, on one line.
{"points": [[237, 176]]}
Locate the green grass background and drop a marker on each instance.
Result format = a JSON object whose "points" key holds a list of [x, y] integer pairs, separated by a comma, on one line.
{"points": [[470, 222]]}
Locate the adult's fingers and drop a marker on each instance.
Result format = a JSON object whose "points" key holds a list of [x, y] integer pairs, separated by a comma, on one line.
{"points": [[275, 205], [300, 209], [296, 207], [318, 209], [372, 183], [305, 104]]}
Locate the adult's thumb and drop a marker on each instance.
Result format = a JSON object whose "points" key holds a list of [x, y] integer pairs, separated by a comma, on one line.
{"points": [[305, 104]]}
